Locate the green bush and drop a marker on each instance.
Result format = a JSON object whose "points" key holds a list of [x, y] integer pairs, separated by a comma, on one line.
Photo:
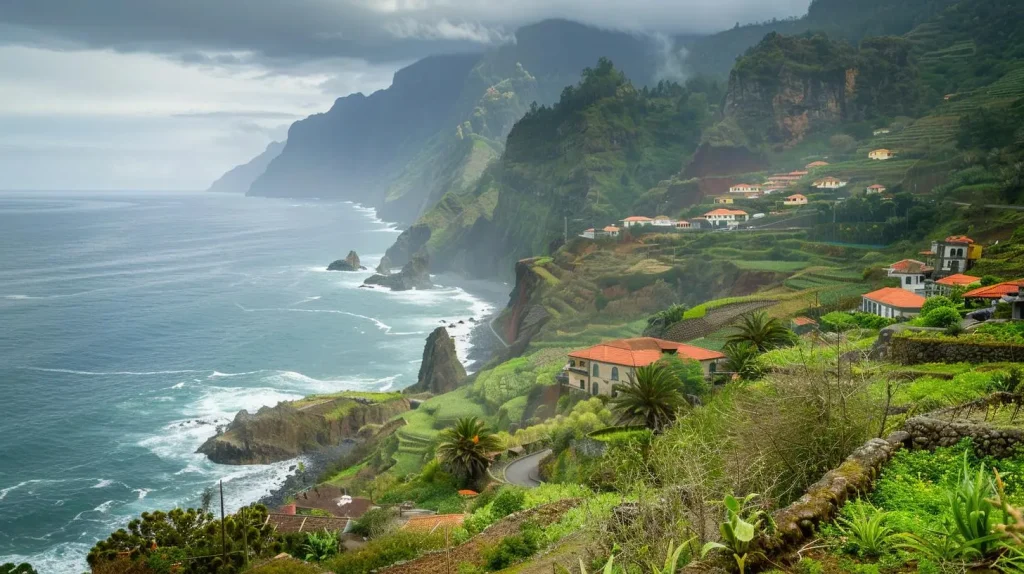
{"points": [[942, 317], [936, 302], [375, 522], [515, 548], [508, 501], [11, 568], [384, 551], [838, 321]]}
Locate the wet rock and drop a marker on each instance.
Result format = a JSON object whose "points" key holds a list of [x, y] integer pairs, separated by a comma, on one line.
{"points": [[349, 263], [440, 371], [414, 275]]}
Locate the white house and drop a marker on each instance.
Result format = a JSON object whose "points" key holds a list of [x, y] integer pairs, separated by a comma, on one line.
{"points": [[662, 221], [636, 220], [725, 217], [876, 188], [881, 154], [829, 183], [795, 199], [745, 188], [588, 234], [881, 131], [683, 224], [892, 302], [911, 274], [612, 231], [596, 370], [955, 254]]}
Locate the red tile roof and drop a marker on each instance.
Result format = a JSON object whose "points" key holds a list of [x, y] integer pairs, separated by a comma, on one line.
{"points": [[797, 197], [611, 229], [996, 291], [802, 321], [637, 218], [876, 186], [723, 211], [468, 492], [642, 351], [959, 239], [909, 266], [958, 280], [896, 297], [816, 164], [433, 522]]}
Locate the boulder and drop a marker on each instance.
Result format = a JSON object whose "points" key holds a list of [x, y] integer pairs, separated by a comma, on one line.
{"points": [[414, 275], [349, 263], [440, 371]]}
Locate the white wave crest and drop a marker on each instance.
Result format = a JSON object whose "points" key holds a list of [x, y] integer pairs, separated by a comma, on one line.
{"points": [[109, 373], [103, 483]]}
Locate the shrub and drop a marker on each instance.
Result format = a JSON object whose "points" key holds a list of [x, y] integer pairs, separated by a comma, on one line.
{"points": [[385, 551], [508, 501], [11, 568], [321, 545], [866, 529], [515, 548], [941, 317], [375, 522], [934, 303]]}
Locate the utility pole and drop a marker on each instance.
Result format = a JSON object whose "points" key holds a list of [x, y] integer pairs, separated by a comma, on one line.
{"points": [[223, 532]]}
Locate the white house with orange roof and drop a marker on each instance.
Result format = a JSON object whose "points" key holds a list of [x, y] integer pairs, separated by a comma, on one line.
{"points": [[892, 303], [876, 188], [725, 217], [881, 154], [795, 199], [829, 183], [662, 221], [745, 188], [911, 274], [611, 231], [596, 370], [634, 220], [947, 284], [815, 164], [683, 224]]}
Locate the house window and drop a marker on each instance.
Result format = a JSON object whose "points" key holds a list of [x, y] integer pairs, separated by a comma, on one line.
{"points": [[712, 368], [583, 385], [908, 280], [572, 363], [615, 373], [594, 389], [596, 373]]}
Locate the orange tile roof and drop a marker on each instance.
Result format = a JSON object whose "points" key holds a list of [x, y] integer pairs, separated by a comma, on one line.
{"points": [[896, 297], [637, 218], [611, 228], [816, 164], [802, 321], [797, 196], [909, 266], [996, 291], [468, 492], [959, 239], [723, 211], [876, 186], [958, 280], [642, 351], [433, 522]]}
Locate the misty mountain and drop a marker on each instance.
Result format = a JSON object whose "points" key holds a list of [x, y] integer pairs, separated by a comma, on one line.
{"points": [[239, 178], [402, 148]]}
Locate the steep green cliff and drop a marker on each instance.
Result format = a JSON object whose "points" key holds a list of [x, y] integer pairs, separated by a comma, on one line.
{"points": [[587, 159]]}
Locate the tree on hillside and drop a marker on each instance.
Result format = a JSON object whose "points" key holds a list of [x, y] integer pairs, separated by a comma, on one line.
{"points": [[741, 358], [689, 373], [652, 397], [464, 448], [761, 331]]}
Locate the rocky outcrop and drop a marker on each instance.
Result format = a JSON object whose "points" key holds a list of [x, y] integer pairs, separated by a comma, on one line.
{"points": [[440, 371], [384, 267], [349, 263], [284, 432], [414, 275]]}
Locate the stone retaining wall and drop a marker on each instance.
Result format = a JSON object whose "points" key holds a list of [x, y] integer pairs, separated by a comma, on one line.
{"points": [[909, 351]]}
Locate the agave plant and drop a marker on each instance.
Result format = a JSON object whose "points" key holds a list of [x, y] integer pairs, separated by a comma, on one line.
{"points": [[866, 529], [972, 509]]}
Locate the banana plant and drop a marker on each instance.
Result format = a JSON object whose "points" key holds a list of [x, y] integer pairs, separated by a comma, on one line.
{"points": [[738, 530]]}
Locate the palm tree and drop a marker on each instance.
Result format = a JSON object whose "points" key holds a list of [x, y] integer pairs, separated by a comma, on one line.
{"points": [[741, 358], [652, 397], [464, 448], [761, 331]]}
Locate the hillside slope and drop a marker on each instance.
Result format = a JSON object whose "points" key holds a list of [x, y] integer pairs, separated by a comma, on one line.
{"points": [[239, 178]]}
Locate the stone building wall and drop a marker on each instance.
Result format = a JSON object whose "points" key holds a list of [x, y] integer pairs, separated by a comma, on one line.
{"points": [[911, 351]]}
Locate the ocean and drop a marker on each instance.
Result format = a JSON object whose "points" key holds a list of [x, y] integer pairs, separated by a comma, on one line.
{"points": [[132, 324]]}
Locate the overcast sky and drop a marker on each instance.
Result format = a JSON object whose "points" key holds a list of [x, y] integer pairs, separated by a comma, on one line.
{"points": [[169, 94]]}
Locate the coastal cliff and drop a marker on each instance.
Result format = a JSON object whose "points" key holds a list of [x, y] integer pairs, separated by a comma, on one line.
{"points": [[440, 371], [290, 429]]}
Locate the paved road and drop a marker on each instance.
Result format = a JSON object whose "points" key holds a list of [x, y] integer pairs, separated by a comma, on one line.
{"points": [[994, 206], [524, 472], [496, 335]]}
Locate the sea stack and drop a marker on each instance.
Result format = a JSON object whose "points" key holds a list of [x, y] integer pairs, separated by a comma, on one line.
{"points": [[349, 263], [440, 371], [414, 275]]}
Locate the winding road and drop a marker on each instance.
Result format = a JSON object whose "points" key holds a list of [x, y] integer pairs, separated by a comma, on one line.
{"points": [[525, 471]]}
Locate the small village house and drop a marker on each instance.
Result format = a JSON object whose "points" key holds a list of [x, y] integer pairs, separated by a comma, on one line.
{"points": [[725, 217], [994, 293], [1016, 301], [662, 221], [829, 183], [597, 369], [955, 254], [881, 154], [880, 131], [815, 164], [635, 220], [876, 188], [588, 233], [911, 274], [795, 199], [745, 188], [892, 302], [724, 200], [683, 224], [803, 325], [946, 285], [611, 231]]}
